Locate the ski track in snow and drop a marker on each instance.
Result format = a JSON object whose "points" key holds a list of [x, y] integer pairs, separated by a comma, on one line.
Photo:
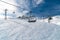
{"points": [[17, 29]]}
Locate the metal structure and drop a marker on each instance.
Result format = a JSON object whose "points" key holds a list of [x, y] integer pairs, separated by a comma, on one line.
{"points": [[6, 14]]}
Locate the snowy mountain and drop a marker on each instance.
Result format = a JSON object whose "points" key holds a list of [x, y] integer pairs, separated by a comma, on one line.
{"points": [[18, 29]]}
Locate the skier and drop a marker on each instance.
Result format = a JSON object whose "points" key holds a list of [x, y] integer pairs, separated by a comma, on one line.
{"points": [[49, 19]]}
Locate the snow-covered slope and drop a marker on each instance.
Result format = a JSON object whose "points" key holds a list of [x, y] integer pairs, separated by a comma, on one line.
{"points": [[17, 29], [55, 20]]}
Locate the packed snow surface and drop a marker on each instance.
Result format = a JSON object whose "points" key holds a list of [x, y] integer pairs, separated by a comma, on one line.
{"points": [[18, 29]]}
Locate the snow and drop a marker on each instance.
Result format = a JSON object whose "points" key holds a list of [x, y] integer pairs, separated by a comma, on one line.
{"points": [[55, 20], [18, 29]]}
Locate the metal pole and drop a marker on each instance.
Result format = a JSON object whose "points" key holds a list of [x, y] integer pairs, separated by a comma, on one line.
{"points": [[5, 14]]}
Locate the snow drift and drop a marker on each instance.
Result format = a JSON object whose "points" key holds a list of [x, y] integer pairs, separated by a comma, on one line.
{"points": [[18, 29]]}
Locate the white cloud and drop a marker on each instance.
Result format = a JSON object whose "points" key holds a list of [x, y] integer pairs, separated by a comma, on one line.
{"points": [[7, 6], [4, 6], [38, 1], [25, 4], [11, 8]]}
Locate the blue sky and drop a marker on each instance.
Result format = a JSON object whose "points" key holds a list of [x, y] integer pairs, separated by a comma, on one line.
{"points": [[48, 8], [38, 7]]}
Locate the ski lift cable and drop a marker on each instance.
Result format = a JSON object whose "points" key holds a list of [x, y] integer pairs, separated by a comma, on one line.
{"points": [[11, 4]]}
